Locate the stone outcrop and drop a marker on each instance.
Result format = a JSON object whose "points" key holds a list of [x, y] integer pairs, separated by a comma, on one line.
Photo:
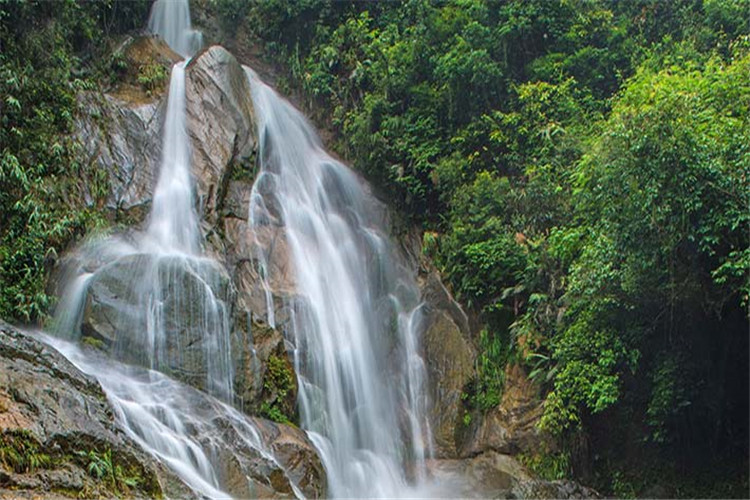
{"points": [[191, 296], [490, 475], [293, 449], [511, 427], [251, 457], [120, 133], [220, 122], [54, 421], [449, 356], [497, 475]]}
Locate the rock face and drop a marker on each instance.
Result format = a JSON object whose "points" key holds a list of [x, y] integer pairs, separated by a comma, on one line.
{"points": [[511, 427], [222, 129], [54, 421], [449, 356], [221, 123], [119, 132], [161, 312], [122, 130]]}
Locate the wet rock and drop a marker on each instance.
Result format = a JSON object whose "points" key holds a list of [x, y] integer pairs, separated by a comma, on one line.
{"points": [[122, 140], [449, 356], [163, 312], [497, 475], [222, 129], [490, 475], [52, 416], [256, 340], [296, 453], [537, 488], [122, 133], [220, 121], [293, 464], [119, 133]]}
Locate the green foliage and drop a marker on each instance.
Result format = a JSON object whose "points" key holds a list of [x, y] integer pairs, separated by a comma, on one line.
{"points": [[664, 191], [245, 170], [485, 391], [102, 467], [93, 342], [581, 173], [278, 383], [548, 465], [42, 50], [21, 452], [669, 397], [230, 13], [151, 76], [622, 487], [580, 169]]}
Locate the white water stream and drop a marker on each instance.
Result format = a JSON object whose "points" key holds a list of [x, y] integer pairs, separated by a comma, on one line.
{"points": [[170, 19], [182, 427], [357, 317], [173, 223]]}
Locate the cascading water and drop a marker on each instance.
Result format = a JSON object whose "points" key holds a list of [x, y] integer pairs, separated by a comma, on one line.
{"points": [[173, 225], [182, 427], [171, 20], [356, 319]]}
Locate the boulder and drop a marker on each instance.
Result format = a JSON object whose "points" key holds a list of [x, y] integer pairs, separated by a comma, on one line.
{"points": [[296, 453], [54, 420], [252, 457], [170, 313], [498, 475], [490, 475]]}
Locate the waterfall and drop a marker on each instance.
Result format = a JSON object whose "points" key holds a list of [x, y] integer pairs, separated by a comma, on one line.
{"points": [[182, 427], [173, 225], [357, 315], [354, 327], [170, 19]]}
